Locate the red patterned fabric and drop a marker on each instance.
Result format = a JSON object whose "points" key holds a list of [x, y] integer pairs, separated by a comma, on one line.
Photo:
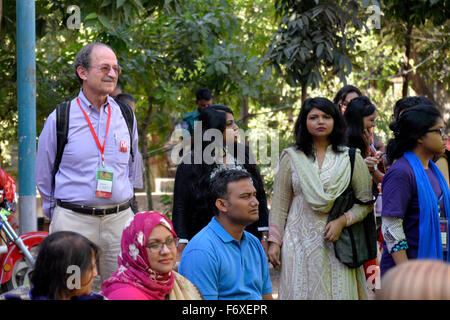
{"points": [[134, 268]]}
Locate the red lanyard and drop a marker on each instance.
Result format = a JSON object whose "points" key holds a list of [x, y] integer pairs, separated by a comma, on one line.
{"points": [[101, 148]]}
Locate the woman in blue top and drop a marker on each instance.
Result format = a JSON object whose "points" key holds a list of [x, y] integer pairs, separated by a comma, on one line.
{"points": [[416, 198]]}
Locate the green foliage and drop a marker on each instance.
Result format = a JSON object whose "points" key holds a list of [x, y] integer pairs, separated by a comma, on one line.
{"points": [[167, 202], [313, 35]]}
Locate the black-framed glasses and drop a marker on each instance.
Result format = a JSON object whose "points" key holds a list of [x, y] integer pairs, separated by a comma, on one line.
{"points": [[157, 246], [105, 68], [442, 131]]}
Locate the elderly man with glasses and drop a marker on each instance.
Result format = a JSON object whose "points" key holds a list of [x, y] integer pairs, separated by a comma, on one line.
{"points": [[89, 188]]}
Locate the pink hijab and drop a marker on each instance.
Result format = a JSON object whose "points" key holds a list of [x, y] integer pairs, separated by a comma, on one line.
{"points": [[134, 268]]}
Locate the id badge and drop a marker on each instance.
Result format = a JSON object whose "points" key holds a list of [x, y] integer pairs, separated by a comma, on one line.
{"points": [[444, 233], [104, 178]]}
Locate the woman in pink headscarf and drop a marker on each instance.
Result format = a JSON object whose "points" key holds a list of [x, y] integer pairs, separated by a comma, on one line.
{"points": [[148, 254]]}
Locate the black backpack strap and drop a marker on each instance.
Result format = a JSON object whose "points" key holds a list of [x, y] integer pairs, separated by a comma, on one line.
{"points": [[351, 154], [128, 115], [62, 130]]}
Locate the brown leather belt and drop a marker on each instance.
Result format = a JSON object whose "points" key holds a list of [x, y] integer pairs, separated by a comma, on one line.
{"points": [[94, 211]]}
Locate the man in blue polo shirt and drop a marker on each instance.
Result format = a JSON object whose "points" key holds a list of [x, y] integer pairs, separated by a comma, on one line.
{"points": [[222, 260]]}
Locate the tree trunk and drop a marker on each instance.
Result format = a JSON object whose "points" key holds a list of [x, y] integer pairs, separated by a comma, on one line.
{"points": [[1, 12], [244, 110], [408, 46], [419, 84], [144, 147], [304, 88]]}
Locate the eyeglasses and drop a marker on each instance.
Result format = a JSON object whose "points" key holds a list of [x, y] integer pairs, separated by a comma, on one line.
{"points": [[105, 68], [442, 131], [157, 246]]}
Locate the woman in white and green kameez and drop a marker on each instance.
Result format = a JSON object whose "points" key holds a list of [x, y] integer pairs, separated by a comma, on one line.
{"points": [[310, 176]]}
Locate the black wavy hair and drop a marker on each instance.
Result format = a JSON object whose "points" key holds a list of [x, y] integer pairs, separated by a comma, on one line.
{"points": [[57, 253], [203, 94], [342, 94], [303, 139], [409, 102], [412, 124], [214, 117], [357, 109]]}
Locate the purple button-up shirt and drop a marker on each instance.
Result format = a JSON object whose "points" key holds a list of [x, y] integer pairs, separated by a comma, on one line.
{"points": [[75, 180]]}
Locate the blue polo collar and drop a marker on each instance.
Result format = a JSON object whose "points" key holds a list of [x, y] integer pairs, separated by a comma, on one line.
{"points": [[222, 233]]}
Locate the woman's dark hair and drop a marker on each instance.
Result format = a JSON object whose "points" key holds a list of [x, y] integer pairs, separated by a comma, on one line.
{"points": [[214, 117], [357, 109], [409, 102], [412, 124], [57, 253], [303, 139], [341, 94]]}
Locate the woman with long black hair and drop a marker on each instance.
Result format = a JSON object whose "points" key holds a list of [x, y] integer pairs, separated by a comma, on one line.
{"points": [[360, 117], [217, 149], [312, 174], [416, 198]]}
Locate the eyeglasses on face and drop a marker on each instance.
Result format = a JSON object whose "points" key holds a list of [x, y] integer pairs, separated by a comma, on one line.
{"points": [[105, 68], [442, 131], [157, 246]]}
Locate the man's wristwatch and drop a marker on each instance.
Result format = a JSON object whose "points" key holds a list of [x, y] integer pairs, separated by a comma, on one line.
{"points": [[264, 238]]}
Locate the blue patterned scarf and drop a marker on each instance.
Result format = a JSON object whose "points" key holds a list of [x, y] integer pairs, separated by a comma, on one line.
{"points": [[430, 245]]}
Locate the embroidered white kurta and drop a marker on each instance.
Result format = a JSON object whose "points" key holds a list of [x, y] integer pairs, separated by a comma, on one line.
{"points": [[309, 268]]}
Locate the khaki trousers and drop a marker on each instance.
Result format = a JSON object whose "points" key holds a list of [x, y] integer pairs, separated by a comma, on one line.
{"points": [[104, 231]]}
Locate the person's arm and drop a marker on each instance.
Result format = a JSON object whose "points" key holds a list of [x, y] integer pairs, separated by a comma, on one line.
{"points": [[281, 202], [139, 179], [45, 158], [377, 175], [394, 236], [132, 165], [267, 296], [399, 257], [397, 190], [267, 286], [181, 205], [252, 167], [202, 269], [442, 164], [263, 221]]}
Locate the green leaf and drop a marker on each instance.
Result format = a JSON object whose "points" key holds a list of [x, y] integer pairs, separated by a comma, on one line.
{"points": [[90, 16], [105, 3], [138, 4], [120, 3], [319, 50], [105, 22], [220, 67]]}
